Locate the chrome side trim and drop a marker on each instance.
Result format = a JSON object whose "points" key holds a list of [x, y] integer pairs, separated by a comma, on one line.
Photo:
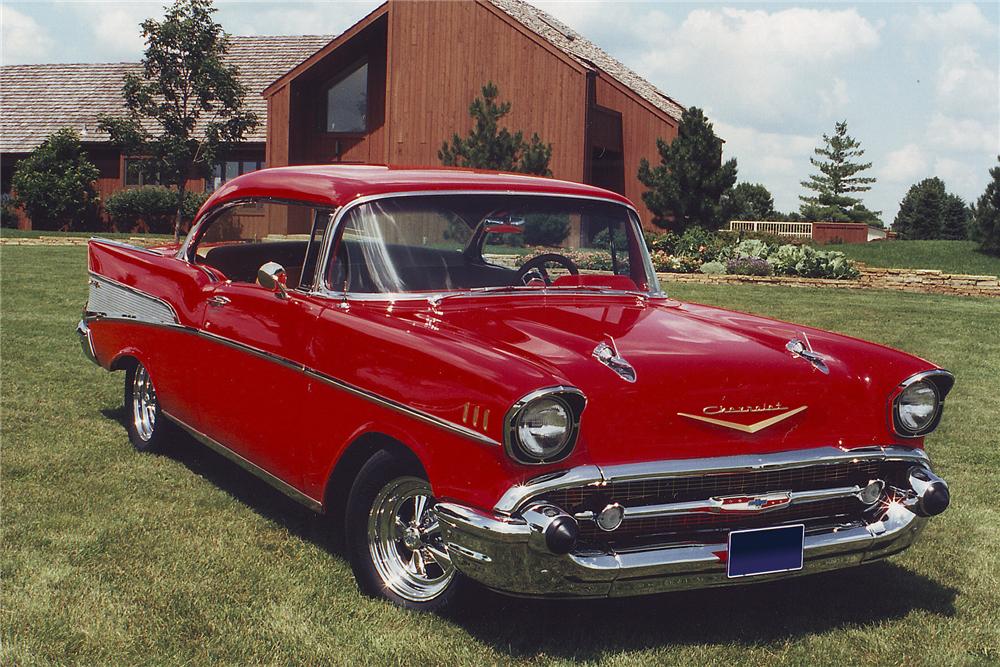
{"points": [[126, 246], [424, 417], [518, 495], [249, 466], [111, 298]]}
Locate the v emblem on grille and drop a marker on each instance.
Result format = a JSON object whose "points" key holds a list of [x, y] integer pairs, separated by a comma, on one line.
{"points": [[745, 428]]}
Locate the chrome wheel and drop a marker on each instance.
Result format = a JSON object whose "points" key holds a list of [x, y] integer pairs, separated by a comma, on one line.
{"points": [[405, 541], [144, 406]]}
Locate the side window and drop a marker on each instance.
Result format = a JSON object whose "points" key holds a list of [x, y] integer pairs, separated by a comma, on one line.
{"points": [[230, 169], [242, 238]]}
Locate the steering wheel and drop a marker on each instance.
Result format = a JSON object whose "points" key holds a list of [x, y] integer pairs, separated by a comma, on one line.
{"points": [[537, 264]]}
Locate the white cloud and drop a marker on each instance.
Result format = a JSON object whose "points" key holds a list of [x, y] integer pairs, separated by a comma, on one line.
{"points": [[22, 40], [777, 160], [959, 177], [904, 165], [756, 63], [955, 24], [967, 85], [965, 135]]}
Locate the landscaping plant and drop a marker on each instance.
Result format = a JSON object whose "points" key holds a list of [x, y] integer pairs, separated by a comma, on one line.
{"points": [[150, 209], [55, 184]]}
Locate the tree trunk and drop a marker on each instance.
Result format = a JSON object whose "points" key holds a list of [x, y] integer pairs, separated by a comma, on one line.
{"points": [[180, 211]]}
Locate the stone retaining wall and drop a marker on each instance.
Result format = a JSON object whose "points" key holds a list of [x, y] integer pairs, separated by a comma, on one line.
{"points": [[905, 280], [75, 240]]}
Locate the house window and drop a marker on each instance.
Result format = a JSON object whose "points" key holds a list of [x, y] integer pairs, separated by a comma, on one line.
{"points": [[134, 178], [230, 169], [347, 101]]}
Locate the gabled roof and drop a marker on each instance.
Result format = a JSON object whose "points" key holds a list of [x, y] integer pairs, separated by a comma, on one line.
{"points": [[37, 100], [586, 52]]}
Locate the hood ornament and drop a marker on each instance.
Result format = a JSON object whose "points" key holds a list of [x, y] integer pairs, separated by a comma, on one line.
{"points": [[804, 350], [607, 354]]}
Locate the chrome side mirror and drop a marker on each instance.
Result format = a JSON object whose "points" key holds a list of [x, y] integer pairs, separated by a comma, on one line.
{"points": [[272, 276]]}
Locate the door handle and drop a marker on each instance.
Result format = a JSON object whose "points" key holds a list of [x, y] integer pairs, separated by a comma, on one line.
{"points": [[218, 301]]}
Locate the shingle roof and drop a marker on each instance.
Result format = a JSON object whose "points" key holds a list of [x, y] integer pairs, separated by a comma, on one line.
{"points": [[586, 52], [37, 100]]}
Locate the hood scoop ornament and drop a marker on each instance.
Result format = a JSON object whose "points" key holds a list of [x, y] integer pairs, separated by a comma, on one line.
{"points": [[607, 354], [804, 350]]}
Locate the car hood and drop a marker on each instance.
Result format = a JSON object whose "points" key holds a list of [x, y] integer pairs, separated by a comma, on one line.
{"points": [[695, 366]]}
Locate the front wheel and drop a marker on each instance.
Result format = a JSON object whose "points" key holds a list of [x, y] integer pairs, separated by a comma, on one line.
{"points": [[144, 419], [394, 539]]}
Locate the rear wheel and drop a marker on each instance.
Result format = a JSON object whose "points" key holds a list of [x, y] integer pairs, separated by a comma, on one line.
{"points": [[394, 539], [144, 419]]}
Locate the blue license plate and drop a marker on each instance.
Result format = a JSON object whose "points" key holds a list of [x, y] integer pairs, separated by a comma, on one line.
{"points": [[765, 550]]}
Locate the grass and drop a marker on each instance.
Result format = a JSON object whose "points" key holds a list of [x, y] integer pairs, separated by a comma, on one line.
{"points": [[947, 256], [9, 233], [111, 557]]}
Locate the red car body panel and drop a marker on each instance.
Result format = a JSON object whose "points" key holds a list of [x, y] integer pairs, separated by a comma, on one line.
{"points": [[295, 390]]}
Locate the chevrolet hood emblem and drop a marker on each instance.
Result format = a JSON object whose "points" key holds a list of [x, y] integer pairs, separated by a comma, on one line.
{"points": [[745, 428]]}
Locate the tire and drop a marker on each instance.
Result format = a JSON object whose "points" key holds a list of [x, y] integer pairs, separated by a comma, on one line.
{"points": [[393, 540], [145, 422]]}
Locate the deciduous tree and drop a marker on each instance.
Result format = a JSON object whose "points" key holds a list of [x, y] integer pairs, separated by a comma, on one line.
{"points": [[55, 183], [187, 106], [686, 188]]}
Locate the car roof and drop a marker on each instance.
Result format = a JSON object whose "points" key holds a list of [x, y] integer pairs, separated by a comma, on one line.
{"points": [[336, 185]]}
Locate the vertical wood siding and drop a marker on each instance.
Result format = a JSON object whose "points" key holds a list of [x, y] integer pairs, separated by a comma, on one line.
{"points": [[443, 53]]}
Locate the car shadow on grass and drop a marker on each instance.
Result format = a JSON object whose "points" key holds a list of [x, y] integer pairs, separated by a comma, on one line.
{"points": [[763, 614]]}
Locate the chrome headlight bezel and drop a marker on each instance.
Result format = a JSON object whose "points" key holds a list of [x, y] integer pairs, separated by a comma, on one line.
{"points": [[574, 402], [941, 381]]}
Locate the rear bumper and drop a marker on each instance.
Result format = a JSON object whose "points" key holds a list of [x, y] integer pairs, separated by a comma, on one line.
{"points": [[508, 552], [86, 341]]}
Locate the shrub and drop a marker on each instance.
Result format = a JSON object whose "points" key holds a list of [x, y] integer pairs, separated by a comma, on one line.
{"points": [[713, 268], [548, 230], [8, 216], [150, 209], [751, 248], [667, 263], [807, 262], [748, 266], [665, 241], [55, 184]]}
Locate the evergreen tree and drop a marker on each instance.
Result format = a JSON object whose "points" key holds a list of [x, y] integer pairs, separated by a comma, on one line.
{"points": [[55, 184], [186, 91], [490, 146], [929, 211], [838, 178], [750, 201], [686, 188], [955, 219], [987, 219]]}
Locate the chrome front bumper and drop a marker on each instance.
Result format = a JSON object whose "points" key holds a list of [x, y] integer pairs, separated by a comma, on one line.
{"points": [[508, 552]]}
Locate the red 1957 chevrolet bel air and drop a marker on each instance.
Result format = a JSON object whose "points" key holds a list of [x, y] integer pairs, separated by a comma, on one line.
{"points": [[341, 332]]}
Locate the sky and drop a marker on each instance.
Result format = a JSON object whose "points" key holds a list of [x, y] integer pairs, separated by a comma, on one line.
{"points": [[918, 83]]}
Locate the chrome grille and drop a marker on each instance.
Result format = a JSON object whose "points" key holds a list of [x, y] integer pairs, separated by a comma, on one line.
{"points": [[713, 527]]}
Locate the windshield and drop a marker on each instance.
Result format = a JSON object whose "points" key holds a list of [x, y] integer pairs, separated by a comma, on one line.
{"points": [[470, 242]]}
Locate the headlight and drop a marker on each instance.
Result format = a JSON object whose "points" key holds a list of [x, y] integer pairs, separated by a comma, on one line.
{"points": [[542, 426], [917, 407]]}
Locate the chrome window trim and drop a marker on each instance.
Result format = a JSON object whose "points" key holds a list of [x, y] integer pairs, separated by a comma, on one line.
{"points": [[365, 394], [325, 289], [516, 496], [942, 381], [195, 233], [248, 465], [559, 392]]}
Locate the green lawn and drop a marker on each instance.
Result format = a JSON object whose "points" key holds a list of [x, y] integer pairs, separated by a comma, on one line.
{"points": [[7, 232], [947, 256], [111, 557]]}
